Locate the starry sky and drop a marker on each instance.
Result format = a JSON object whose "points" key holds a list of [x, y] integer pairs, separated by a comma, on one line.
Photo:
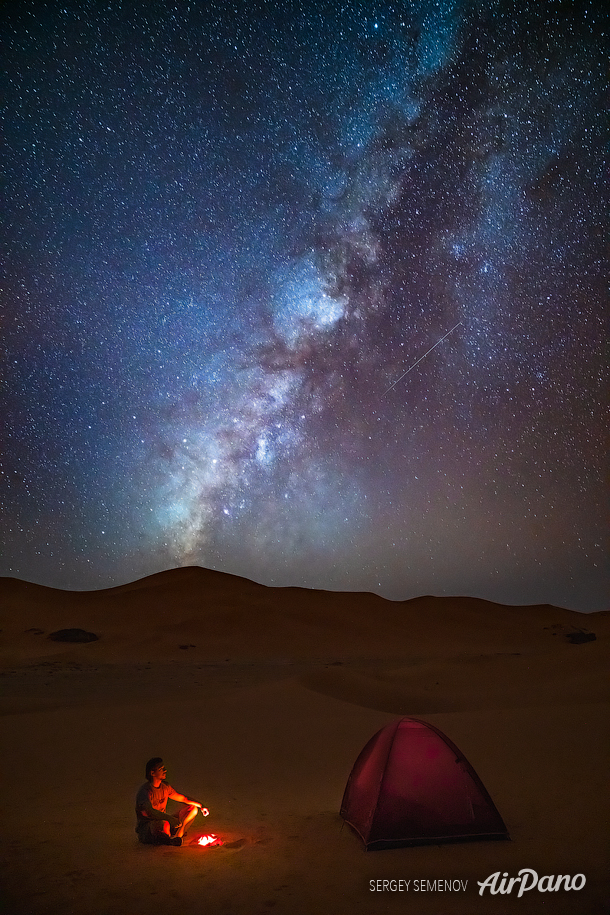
{"points": [[312, 293]]}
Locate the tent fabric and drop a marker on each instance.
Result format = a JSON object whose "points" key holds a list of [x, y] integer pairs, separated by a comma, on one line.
{"points": [[411, 786]]}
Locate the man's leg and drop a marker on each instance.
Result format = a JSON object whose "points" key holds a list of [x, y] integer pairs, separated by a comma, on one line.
{"points": [[186, 815], [156, 832], [160, 829]]}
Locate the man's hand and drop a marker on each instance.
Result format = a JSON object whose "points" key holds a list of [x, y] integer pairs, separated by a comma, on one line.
{"points": [[205, 811], [173, 821]]}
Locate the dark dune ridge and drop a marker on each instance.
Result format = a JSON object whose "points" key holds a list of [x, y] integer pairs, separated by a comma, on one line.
{"points": [[211, 613], [260, 699]]}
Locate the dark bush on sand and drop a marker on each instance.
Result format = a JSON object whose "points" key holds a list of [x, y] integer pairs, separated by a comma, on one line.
{"points": [[73, 635]]}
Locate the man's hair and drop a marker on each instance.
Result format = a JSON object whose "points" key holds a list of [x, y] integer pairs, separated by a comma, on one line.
{"points": [[152, 764]]}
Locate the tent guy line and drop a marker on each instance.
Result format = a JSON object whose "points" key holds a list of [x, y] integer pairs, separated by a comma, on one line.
{"points": [[420, 358]]}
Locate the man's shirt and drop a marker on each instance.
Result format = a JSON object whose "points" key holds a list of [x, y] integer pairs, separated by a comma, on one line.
{"points": [[157, 797]]}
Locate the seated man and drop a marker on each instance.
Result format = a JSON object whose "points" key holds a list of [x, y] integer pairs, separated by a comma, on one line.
{"points": [[155, 826]]}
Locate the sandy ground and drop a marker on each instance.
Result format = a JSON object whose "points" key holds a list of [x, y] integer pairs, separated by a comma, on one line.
{"points": [[261, 718]]}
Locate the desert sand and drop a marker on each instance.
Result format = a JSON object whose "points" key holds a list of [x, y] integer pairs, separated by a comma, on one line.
{"points": [[259, 700]]}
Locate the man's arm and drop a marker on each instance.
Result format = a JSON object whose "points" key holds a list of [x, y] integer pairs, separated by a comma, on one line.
{"points": [[183, 799], [153, 814]]}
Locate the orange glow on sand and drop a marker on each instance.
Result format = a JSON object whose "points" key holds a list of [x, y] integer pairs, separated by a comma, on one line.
{"points": [[210, 840]]}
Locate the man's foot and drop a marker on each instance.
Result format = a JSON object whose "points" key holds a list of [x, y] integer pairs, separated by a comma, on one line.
{"points": [[177, 840]]}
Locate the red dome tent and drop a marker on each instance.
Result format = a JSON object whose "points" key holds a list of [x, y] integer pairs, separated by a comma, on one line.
{"points": [[412, 786]]}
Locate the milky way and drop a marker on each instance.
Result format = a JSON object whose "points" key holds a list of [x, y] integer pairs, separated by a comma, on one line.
{"points": [[310, 293]]}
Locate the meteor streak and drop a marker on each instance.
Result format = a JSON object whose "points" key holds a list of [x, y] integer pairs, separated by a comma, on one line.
{"points": [[420, 358]]}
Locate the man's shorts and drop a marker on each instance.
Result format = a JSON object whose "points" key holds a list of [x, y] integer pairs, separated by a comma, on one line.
{"points": [[152, 833]]}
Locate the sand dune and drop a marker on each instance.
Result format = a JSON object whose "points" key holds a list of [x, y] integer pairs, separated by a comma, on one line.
{"points": [[215, 614], [261, 716]]}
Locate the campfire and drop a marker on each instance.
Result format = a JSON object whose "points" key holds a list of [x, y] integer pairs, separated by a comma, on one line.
{"points": [[210, 840]]}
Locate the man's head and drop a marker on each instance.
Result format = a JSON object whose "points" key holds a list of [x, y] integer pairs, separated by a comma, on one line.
{"points": [[155, 767]]}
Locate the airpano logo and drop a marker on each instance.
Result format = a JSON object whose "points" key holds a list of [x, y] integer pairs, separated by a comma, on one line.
{"points": [[527, 880]]}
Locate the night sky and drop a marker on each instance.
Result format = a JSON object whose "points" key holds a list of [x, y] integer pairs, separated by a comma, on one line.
{"points": [[233, 235]]}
